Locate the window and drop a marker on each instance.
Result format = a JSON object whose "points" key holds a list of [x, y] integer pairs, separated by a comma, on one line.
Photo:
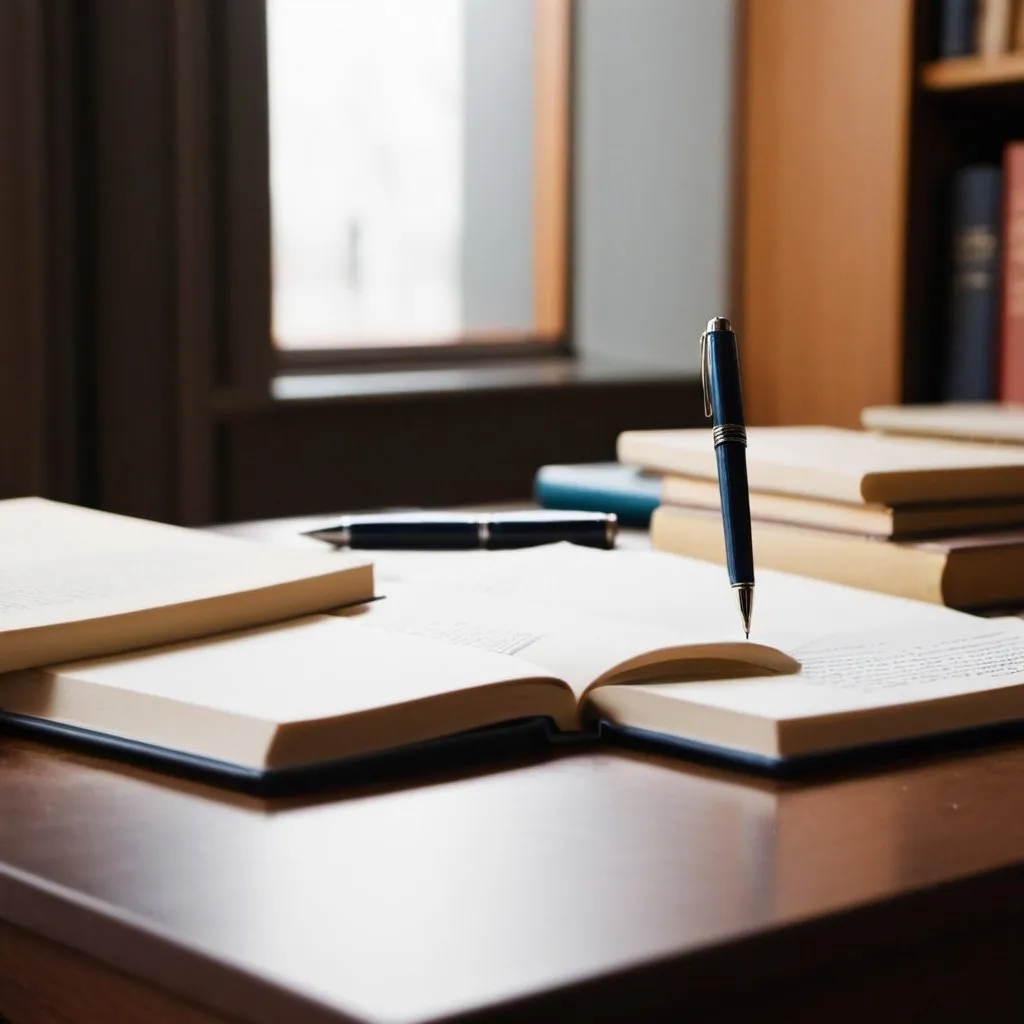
{"points": [[143, 374], [417, 172]]}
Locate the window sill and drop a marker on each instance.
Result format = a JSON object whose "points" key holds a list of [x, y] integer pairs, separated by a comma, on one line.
{"points": [[506, 375]]}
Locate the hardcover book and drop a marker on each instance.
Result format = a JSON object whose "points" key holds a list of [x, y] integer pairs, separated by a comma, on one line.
{"points": [[997, 422], [631, 494], [994, 27], [841, 465], [956, 28], [591, 643], [970, 372], [898, 522], [980, 571]]}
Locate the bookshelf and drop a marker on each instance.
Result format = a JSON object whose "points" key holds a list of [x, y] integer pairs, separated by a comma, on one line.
{"points": [[851, 135], [973, 72]]}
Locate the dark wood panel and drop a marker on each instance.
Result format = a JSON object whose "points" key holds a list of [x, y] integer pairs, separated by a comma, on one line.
{"points": [[448, 448], [70, 413], [134, 281], [42, 982], [246, 359], [23, 253]]}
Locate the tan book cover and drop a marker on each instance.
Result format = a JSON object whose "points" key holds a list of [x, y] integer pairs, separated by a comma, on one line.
{"points": [[985, 570], [76, 582], [640, 640], [901, 522], [999, 422], [853, 466], [993, 27]]}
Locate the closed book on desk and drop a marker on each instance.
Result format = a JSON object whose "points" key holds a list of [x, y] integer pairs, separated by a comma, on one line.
{"points": [[995, 422], [840, 465], [631, 494], [971, 371], [890, 522], [628, 642], [76, 582], [980, 571]]}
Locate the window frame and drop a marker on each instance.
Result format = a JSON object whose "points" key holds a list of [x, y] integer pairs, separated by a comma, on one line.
{"points": [[552, 229]]}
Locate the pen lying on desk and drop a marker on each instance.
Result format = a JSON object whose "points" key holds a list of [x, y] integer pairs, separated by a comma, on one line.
{"points": [[466, 530]]}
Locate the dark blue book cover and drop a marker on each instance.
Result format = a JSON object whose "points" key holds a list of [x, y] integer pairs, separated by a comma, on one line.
{"points": [[599, 487], [971, 370], [956, 28]]}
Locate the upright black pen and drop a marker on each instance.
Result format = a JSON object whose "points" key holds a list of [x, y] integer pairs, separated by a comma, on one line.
{"points": [[723, 401]]}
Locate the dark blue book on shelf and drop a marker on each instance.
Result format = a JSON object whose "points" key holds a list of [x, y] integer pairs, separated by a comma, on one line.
{"points": [[970, 370], [956, 28], [599, 487]]}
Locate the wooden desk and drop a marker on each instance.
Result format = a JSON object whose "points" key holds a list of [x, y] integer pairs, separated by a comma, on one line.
{"points": [[595, 884]]}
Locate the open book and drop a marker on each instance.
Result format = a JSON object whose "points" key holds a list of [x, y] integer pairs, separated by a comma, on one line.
{"points": [[75, 582], [575, 638]]}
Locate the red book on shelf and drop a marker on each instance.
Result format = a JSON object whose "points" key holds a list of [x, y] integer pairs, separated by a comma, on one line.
{"points": [[1011, 373]]}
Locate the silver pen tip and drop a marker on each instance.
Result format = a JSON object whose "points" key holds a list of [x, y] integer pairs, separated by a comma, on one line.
{"points": [[745, 593], [719, 323]]}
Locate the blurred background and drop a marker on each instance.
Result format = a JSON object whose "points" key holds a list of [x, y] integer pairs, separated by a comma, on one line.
{"points": [[293, 256]]}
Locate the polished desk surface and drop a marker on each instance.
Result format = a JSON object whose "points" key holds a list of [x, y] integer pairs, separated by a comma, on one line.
{"points": [[583, 883]]}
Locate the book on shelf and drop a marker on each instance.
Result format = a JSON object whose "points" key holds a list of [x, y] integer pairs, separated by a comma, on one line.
{"points": [[79, 582], [1011, 368], [853, 466], [993, 27], [976, 225], [875, 520], [984, 570], [631, 494], [957, 33], [584, 642], [993, 422]]}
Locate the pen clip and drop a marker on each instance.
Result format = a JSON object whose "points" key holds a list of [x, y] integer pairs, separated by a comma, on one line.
{"points": [[705, 373]]}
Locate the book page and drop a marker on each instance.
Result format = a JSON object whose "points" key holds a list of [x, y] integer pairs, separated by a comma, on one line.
{"points": [[230, 697], [652, 588], [61, 563], [877, 668], [578, 648]]}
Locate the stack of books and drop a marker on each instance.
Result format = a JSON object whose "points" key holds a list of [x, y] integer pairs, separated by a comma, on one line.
{"points": [[938, 521]]}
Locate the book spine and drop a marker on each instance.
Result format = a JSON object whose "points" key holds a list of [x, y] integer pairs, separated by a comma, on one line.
{"points": [[956, 28], [973, 338], [992, 28], [1011, 371], [625, 493]]}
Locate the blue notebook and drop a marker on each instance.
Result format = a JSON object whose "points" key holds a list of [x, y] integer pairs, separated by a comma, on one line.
{"points": [[629, 493]]}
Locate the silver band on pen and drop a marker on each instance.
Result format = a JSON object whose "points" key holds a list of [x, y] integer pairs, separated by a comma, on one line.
{"points": [[729, 432]]}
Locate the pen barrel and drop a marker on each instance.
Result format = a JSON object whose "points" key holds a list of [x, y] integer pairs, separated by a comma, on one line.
{"points": [[726, 395], [512, 533], [732, 483], [400, 535]]}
